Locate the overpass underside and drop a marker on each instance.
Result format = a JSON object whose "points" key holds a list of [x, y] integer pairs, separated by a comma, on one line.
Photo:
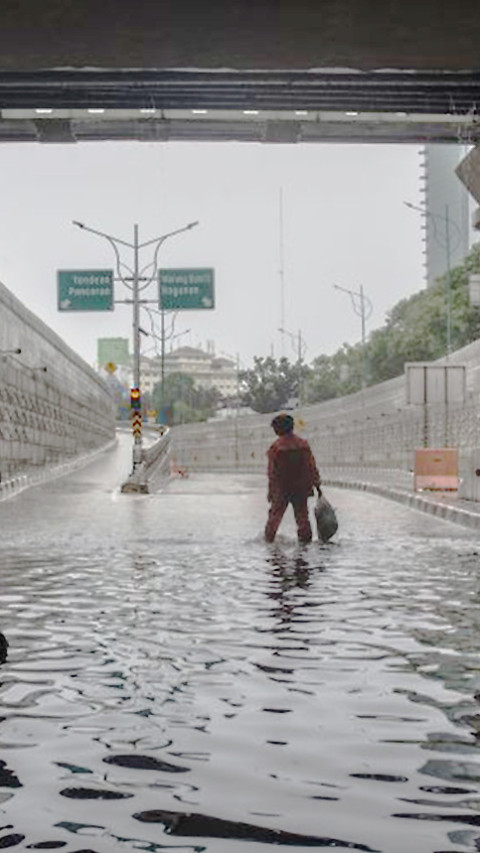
{"points": [[67, 105], [269, 71]]}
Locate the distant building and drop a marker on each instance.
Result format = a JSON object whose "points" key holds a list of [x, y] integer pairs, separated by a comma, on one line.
{"points": [[444, 195], [205, 368]]}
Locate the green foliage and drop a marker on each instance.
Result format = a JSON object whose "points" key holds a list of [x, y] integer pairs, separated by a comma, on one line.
{"points": [[415, 330], [187, 402], [271, 383], [335, 376]]}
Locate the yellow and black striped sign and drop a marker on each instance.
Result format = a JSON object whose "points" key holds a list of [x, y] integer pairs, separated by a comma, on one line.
{"points": [[136, 423]]}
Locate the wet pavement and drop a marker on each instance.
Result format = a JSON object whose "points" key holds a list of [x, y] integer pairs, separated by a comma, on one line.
{"points": [[173, 683]]}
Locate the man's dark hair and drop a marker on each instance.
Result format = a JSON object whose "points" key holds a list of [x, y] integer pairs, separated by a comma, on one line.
{"points": [[282, 424]]}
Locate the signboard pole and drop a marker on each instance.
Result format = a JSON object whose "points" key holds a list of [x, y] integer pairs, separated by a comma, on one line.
{"points": [[137, 433], [425, 407], [134, 286], [162, 367]]}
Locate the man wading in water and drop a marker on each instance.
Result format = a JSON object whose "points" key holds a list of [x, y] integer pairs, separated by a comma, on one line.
{"points": [[292, 476]]}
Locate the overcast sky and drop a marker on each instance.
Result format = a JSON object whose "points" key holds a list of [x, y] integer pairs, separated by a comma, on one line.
{"points": [[344, 223]]}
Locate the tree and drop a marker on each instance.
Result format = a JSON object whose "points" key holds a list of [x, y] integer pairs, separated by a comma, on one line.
{"points": [[415, 330], [271, 383], [185, 401]]}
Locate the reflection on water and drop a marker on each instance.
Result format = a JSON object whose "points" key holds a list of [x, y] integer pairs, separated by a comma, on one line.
{"points": [[173, 683]]}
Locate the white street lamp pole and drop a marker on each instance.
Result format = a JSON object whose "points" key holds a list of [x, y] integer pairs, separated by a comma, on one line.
{"points": [[237, 402], [297, 341], [448, 283], [136, 276], [363, 308], [446, 243], [301, 349]]}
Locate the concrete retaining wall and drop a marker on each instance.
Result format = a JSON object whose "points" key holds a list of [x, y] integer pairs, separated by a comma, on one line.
{"points": [[371, 430], [46, 417]]}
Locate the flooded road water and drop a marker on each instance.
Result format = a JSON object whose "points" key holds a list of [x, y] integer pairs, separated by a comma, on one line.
{"points": [[173, 683]]}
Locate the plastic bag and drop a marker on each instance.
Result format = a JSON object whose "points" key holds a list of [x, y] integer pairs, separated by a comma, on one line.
{"points": [[326, 519]]}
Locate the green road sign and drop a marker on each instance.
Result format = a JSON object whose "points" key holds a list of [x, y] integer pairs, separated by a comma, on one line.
{"points": [[85, 290], [186, 289]]}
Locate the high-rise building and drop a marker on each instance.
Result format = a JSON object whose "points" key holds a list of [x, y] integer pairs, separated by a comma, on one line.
{"points": [[446, 222]]}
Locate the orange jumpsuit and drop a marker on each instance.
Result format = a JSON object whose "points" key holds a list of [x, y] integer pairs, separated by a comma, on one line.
{"points": [[292, 475]]}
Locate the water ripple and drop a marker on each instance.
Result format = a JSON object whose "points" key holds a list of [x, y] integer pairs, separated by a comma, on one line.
{"points": [[190, 690]]}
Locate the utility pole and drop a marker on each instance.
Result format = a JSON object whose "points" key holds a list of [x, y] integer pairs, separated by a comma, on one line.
{"points": [[445, 242], [448, 283], [301, 347], [162, 355], [137, 282], [282, 268], [363, 308]]}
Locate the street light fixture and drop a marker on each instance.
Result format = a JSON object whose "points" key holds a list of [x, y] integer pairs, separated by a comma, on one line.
{"points": [[298, 342], [301, 348], [363, 308], [447, 246], [163, 337], [17, 351], [32, 368], [136, 276], [237, 402]]}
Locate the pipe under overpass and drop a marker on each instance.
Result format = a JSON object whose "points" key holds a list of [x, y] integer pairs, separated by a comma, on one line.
{"points": [[269, 71]]}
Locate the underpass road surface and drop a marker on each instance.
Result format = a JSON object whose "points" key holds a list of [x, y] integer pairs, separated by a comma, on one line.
{"points": [[175, 683]]}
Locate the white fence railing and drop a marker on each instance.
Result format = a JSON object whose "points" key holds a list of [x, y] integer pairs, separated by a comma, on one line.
{"points": [[373, 431]]}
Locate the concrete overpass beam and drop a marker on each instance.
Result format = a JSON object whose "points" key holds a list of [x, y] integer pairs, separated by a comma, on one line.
{"points": [[54, 130]]}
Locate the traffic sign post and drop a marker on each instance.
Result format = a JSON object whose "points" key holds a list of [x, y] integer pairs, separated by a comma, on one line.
{"points": [[92, 290], [85, 290], [136, 424], [186, 289]]}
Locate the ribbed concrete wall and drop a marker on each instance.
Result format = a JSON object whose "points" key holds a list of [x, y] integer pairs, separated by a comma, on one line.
{"points": [[374, 429], [45, 417]]}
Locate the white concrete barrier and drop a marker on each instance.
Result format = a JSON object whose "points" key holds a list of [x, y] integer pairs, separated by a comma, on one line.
{"points": [[53, 406], [374, 431]]}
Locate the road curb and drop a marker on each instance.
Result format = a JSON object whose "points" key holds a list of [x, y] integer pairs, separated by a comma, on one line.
{"points": [[438, 508], [18, 484]]}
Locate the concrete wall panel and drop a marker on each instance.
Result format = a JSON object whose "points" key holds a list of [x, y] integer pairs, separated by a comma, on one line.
{"points": [[373, 430], [49, 416]]}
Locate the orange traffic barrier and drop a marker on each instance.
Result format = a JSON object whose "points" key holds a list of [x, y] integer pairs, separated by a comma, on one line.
{"points": [[436, 469]]}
